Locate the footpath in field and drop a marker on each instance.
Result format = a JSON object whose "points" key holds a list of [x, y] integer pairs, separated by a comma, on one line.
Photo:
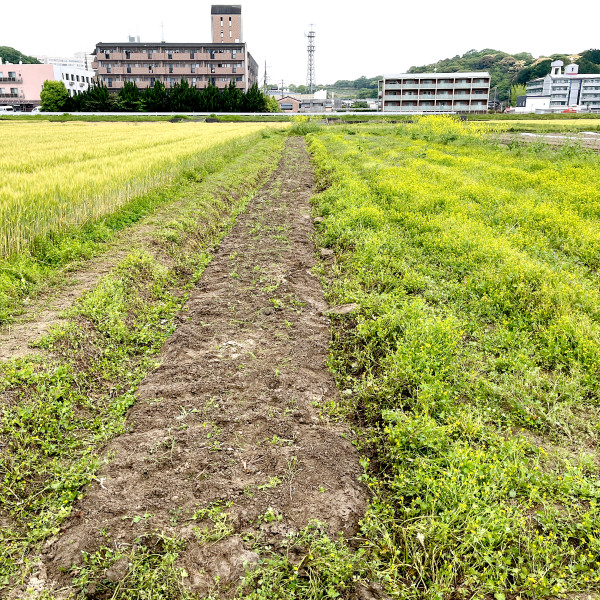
{"points": [[226, 442]]}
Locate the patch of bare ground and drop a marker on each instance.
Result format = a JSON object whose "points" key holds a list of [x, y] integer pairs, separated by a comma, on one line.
{"points": [[228, 419], [590, 140]]}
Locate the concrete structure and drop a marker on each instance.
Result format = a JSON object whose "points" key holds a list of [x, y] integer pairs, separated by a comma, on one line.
{"points": [[435, 92], [199, 64], [531, 104], [20, 85], [568, 89], [226, 24], [80, 60]]}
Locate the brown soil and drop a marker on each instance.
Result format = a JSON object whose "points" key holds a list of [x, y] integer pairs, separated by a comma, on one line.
{"points": [[229, 415]]}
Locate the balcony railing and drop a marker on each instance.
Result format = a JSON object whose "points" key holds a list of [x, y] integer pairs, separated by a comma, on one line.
{"points": [[9, 95], [11, 80]]}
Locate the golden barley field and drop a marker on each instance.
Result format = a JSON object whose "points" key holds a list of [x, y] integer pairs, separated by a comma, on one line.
{"points": [[56, 175]]}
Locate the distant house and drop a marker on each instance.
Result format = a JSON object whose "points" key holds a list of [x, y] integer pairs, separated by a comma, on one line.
{"points": [[20, 85], [435, 92], [289, 104], [565, 90]]}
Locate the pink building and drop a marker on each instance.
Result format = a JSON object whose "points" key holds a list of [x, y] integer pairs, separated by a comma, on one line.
{"points": [[20, 85]]}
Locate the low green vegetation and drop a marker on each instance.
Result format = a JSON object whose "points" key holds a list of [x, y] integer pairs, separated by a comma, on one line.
{"points": [[59, 408], [473, 358]]}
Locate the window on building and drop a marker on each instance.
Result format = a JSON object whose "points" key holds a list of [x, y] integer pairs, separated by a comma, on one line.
{"points": [[221, 35], [170, 56], [170, 68], [221, 21], [109, 82], [287, 107], [12, 74], [129, 68], [230, 33]]}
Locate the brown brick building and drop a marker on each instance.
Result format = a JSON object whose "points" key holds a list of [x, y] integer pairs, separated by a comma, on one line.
{"points": [[219, 62]]}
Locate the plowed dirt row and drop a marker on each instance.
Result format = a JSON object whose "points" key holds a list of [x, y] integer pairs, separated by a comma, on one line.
{"points": [[231, 415]]}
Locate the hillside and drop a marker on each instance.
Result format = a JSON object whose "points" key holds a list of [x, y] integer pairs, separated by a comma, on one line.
{"points": [[506, 70], [8, 54], [510, 69]]}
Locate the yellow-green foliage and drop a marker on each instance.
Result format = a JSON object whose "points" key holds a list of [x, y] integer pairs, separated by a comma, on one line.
{"points": [[475, 356], [56, 175]]}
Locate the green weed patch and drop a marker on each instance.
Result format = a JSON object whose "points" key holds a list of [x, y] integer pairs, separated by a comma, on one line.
{"points": [[473, 359]]}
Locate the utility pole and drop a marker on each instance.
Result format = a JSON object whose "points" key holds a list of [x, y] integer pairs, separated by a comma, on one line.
{"points": [[311, 81], [266, 85], [282, 88]]}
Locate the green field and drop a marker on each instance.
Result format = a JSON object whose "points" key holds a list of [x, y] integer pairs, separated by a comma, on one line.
{"points": [[468, 366], [474, 356]]}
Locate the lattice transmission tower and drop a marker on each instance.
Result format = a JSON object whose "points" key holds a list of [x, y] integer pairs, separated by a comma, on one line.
{"points": [[311, 80]]}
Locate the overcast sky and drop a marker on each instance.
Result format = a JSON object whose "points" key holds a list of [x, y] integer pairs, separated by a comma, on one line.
{"points": [[353, 38]]}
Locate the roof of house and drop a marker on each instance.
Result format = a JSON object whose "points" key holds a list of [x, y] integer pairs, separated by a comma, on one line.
{"points": [[226, 9], [436, 75]]}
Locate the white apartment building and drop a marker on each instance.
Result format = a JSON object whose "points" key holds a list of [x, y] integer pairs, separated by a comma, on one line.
{"points": [[80, 60], [435, 92], [568, 89]]}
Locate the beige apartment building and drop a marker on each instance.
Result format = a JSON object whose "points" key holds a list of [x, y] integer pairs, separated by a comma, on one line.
{"points": [[435, 92], [219, 62]]}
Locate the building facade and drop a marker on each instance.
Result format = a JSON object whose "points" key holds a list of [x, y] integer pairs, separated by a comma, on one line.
{"points": [[226, 23], [435, 92], [80, 60], [568, 89], [200, 64], [20, 85]]}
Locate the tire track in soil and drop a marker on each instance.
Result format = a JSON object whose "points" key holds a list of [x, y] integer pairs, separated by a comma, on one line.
{"points": [[230, 408]]}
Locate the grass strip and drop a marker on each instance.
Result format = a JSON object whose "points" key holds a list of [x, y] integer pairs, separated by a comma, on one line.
{"points": [[58, 409]]}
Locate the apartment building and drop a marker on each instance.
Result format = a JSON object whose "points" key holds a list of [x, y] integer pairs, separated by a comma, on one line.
{"points": [[566, 90], [435, 92], [219, 62], [20, 85]]}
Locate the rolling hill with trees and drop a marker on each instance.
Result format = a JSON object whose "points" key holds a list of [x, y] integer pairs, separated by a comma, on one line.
{"points": [[8, 54], [507, 70]]}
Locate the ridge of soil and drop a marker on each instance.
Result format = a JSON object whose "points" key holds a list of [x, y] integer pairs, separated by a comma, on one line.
{"points": [[231, 415]]}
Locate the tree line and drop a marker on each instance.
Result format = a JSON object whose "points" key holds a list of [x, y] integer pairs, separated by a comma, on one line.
{"points": [[181, 97]]}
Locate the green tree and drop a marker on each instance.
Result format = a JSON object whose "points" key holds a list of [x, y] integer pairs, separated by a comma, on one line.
{"points": [[54, 96], [211, 99], [233, 98], [11, 55], [97, 99], [515, 91], [154, 99], [272, 104], [255, 100], [129, 98]]}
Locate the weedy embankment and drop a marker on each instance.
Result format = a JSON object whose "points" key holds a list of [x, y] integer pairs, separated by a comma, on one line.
{"points": [[473, 358]]}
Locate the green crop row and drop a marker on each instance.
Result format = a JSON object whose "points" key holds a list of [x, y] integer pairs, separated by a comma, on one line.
{"points": [[474, 355]]}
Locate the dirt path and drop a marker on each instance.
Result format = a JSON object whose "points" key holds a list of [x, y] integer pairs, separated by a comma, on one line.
{"points": [[229, 416]]}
